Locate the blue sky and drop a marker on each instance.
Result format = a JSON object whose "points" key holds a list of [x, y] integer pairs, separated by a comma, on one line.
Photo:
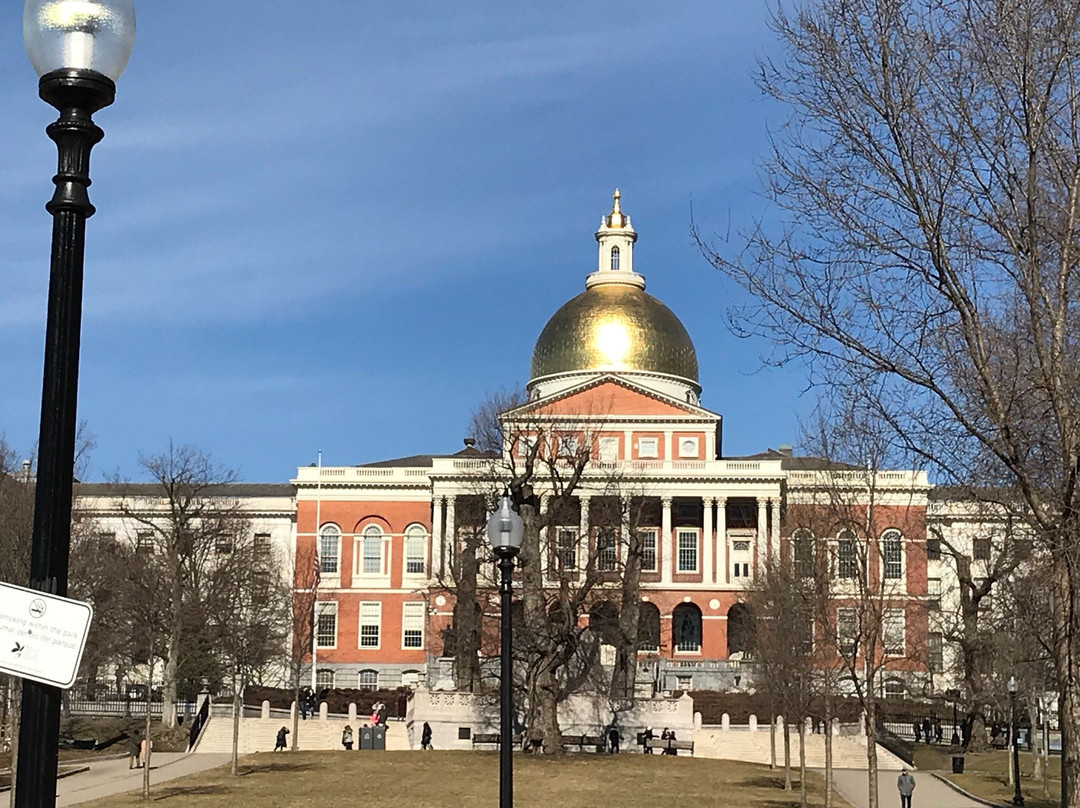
{"points": [[339, 225]]}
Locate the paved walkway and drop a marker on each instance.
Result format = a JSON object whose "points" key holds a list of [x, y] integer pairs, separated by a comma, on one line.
{"points": [[930, 792], [109, 777]]}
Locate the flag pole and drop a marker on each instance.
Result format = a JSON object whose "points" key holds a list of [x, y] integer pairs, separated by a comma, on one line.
{"points": [[315, 592]]}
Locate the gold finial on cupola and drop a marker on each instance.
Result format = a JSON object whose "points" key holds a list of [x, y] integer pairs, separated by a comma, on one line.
{"points": [[616, 219]]}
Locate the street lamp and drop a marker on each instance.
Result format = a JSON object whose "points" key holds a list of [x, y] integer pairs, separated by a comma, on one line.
{"points": [[505, 530], [1018, 798], [78, 49]]}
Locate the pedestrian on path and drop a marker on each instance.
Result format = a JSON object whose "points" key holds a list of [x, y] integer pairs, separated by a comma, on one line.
{"points": [[280, 744], [425, 736], [905, 783], [134, 744]]}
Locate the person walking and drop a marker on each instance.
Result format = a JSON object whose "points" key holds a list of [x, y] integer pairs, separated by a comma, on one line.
{"points": [[425, 736], [134, 744], [905, 784], [613, 740], [347, 738], [279, 745], [647, 736]]}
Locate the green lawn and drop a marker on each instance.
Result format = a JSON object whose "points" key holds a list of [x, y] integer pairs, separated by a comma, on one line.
{"points": [[439, 779], [986, 774]]}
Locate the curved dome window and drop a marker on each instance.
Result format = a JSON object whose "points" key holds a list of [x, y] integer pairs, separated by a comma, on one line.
{"points": [[615, 258], [372, 548], [329, 549]]}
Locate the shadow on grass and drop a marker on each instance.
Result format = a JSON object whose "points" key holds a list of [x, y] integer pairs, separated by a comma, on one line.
{"points": [[166, 793], [274, 767]]}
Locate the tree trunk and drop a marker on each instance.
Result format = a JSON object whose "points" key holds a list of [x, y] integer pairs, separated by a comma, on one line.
{"points": [[787, 754], [802, 763], [828, 744], [1067, 685], [772, 743], [467, 614], [237, 709], [624, 677], [871, 743], [146, 735], [296, 710]]}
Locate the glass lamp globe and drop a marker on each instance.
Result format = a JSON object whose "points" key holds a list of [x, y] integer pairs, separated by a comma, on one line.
{"points": [[505, 529], [79, 34]]}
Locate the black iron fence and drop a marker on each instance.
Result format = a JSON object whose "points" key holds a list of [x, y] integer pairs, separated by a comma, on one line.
{"points": [[123, 707]]}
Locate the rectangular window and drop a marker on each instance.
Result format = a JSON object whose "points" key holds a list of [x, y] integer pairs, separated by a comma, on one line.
{"points": [[144, 542], [261, 544], [370, 619], [933, 593], [606, 549], [567, 548], [223, 544], [609, 450], [329, 547], [935, 659], [933, 549], [1023, 548], [326, 624], [981, 550], [568, 446], [893, 558], [648, 550], [688, 550], [684, 683], [324, 678], [847, 559], [412, 625], [804, 622], [804, 556], [372, 554], [847, 631], [648, 447], [415, 551], [892, 632]]}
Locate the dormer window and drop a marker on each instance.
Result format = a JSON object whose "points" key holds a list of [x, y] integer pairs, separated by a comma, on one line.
{"points": [[614, 259]]}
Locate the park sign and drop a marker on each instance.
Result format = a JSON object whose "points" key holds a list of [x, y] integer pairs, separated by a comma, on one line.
{"points": [[42, 636]]}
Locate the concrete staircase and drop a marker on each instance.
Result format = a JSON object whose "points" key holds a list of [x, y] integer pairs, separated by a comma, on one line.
{"points": [[259, 734], [849, 751]]}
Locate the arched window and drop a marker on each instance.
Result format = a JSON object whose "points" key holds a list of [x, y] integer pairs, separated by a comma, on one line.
{"points": [[367, 680], [329, 549], [686, 628], [803, 553], [648, 632], [615, 258], [847, 556], [415, 550], [371, 563], [740, 629], [892, 555]]}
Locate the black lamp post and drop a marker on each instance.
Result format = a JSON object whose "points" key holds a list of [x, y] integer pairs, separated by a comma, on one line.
{"points": [[1018, 798], [78, 48], [505, 530]]}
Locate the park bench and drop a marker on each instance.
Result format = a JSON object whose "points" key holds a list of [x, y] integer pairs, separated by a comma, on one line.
{"points": [[592, 743], [490, 738], [660, 743]]}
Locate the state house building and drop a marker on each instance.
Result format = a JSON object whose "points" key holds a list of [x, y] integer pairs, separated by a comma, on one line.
{"points": [[614, 368]]}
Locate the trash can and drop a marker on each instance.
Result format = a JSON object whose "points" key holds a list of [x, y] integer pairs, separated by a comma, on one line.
{"points": [[378, 740], [367, 735], [958, 764]]}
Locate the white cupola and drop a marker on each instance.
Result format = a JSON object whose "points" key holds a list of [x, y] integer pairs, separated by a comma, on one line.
{"points": [[616, 238]]}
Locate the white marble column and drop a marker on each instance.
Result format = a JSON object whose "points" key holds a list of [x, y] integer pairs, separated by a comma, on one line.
{"points": [[762, 536], [667, 560], [451, 533], [708, 571], [583, 532], [438, 560], [774, 513], [721, 541]]}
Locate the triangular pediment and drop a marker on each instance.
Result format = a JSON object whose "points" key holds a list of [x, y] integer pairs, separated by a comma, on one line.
{"points": [[611, 397]]}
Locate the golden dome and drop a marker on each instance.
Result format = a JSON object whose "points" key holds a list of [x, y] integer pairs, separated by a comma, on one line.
{"points": [[615, 327]]}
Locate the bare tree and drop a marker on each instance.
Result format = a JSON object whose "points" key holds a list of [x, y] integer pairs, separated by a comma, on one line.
{"points": [[547, 462], [926, 185], [304, 603], [251, 615], [184, 517]]}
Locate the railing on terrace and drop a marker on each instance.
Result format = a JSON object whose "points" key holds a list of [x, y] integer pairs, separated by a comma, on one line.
{"points": [[123, 707]]}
